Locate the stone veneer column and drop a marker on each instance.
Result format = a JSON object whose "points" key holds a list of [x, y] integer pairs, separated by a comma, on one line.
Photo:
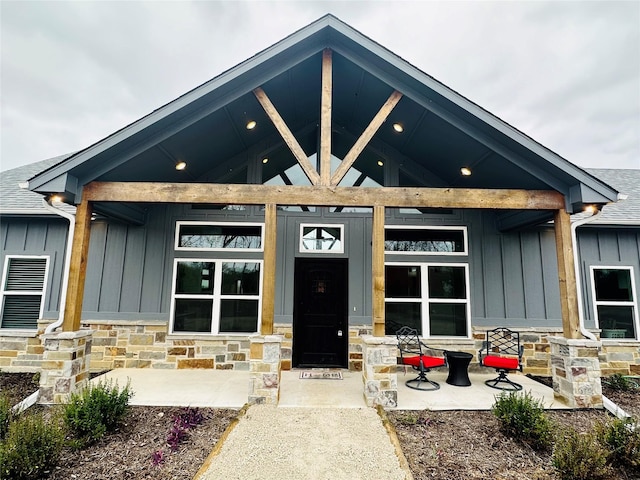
{"points": [[264, 368], [575, 369], [65, 365], [380, 375]]}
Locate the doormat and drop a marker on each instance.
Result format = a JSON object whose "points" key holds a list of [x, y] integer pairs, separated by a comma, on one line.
{"points": [[321, 375]]}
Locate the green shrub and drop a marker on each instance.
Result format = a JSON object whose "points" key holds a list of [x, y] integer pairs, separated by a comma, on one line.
{"points": [[522, 417], [32, 447], [580, 457], [620, 382], [622, 437], [5, 414], [96, 410]]}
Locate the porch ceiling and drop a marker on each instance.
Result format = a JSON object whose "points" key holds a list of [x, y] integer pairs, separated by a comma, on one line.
{"points": [[438, 148], [443, 131]]}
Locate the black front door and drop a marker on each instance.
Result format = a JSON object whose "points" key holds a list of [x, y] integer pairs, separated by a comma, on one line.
{"points": [[320, 333]]}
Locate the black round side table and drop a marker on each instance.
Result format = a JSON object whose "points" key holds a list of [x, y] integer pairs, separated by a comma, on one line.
{"points": [[459, 368]]}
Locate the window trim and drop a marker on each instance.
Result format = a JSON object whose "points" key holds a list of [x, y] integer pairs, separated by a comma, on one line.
{"points": [[4, 293], [340, 226], [424, 299], [180, 223], [216, 297], [462, 228], [633, 303]]}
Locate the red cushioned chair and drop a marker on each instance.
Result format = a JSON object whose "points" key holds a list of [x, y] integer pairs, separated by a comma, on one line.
{"points": [[420, 357], [502, 351]]}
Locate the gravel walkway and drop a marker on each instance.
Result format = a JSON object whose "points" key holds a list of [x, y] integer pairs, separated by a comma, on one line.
{"points": [[307, 443]]}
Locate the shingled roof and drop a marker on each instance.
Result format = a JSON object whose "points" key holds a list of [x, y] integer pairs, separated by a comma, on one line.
{"points": [[625, 211], [15, 200]]}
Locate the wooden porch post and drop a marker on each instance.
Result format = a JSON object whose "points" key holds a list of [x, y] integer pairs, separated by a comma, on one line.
{"points": [[78, 267], [377, 270], [269, 269], [567, 276]]}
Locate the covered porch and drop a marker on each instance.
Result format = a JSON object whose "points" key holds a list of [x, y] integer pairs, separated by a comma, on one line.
{"points": [[228, 389]]}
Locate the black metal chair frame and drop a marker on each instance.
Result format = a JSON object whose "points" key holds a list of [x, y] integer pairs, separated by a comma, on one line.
{"points": [[415, 353], [502, 350]]}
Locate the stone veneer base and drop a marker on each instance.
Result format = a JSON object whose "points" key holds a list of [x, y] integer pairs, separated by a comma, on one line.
{"points": [[576, 372]]}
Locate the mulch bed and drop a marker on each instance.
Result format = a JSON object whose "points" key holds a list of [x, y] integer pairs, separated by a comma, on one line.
{"points": [[438, 445]]}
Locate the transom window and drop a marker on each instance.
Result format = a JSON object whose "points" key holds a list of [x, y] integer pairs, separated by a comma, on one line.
{"points": [[321, 238], [432, 298], [615, 301], [22, 295], [216, 296], [219, 236], [425, 240]]}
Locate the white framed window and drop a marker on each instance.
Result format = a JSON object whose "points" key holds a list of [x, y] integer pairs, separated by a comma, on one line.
{"points": [[615, 302], [426, 240], [321, 238], [216, 296], [24, 283], [433, 298], [219, 236]]}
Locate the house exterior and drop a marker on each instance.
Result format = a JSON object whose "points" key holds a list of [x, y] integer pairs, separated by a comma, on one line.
{"points": [[293, 210]]}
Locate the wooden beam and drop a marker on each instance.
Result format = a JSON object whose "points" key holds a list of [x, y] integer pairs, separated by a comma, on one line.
{"points": [[567, 276], [77, 267], [325, 118], [366, 137], [377, 271], [269, 269], [503, 199], [287, 136]]}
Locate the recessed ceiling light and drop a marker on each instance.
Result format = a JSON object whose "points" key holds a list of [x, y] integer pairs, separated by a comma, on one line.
{"points": [[181, 165], [265, 160], [466, 171], [398, 127], [380, 163], [251, 124]]}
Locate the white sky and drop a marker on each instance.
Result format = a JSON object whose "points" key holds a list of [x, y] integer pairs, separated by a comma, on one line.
{"points": [[566, 73]]}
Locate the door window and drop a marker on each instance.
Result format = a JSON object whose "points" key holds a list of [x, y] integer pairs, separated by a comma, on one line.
{"points": [[321, 238]]}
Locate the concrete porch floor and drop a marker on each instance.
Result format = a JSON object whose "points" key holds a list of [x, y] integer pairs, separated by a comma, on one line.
{"points": [[229, 389]]}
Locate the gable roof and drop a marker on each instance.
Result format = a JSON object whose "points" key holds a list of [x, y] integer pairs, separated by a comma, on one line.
{"points": [[445, 130]]}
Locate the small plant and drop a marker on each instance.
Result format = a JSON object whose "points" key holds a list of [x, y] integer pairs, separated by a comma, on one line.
{"points": [[580, 457], [622, 437], [5, 414], [620, 383], [185, 420], [523, 418], [96, 410], [32, 447], [157, 458], [408, 418]]}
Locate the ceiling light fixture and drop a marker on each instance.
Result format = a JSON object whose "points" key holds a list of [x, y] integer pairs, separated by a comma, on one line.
{"points": [[56, 199], [380, 163], [265, 160], [181, 165], [466, 171], [398, 127], [251, 124]]}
